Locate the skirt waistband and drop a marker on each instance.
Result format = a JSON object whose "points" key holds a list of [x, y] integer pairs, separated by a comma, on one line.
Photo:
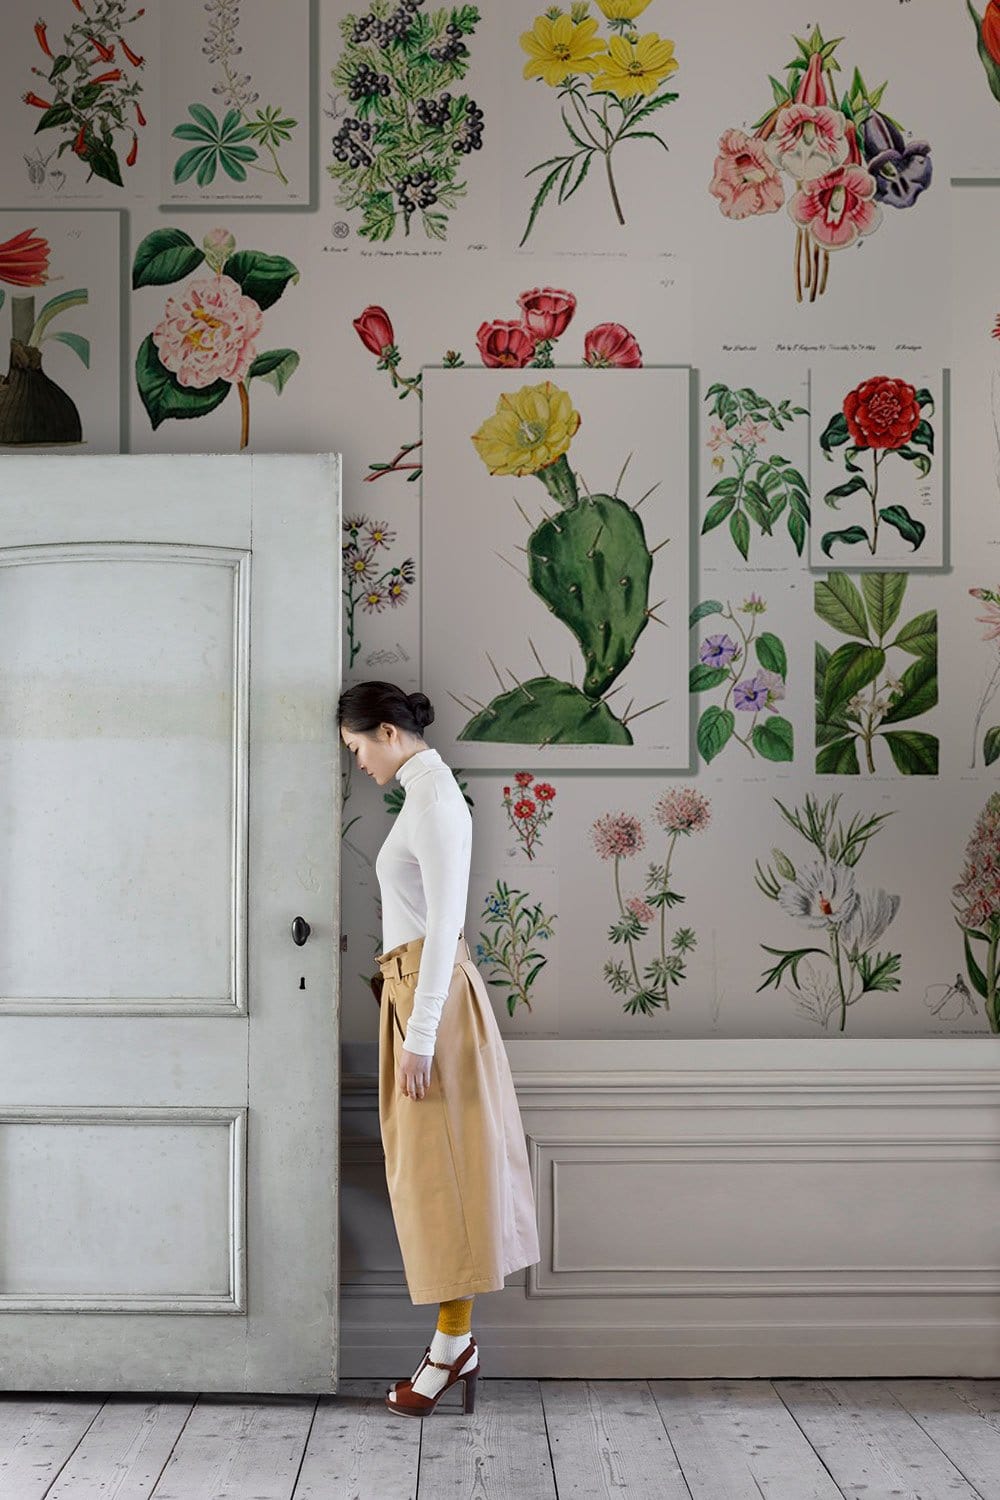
{"points": [[404, 960]]}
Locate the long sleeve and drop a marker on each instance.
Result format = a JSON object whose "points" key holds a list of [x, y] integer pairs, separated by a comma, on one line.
{"points": [[441, 843]]}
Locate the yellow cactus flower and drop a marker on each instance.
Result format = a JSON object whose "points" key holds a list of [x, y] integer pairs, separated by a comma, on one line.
{"points": [[622, 10], [635, 66], [560, 47], [529, 430]]}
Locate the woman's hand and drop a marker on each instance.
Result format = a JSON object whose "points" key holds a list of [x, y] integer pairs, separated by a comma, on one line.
{"points": [[414, 1074]]}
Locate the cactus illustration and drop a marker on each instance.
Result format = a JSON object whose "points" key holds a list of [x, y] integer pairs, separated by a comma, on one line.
{"points": [[589, 562]]}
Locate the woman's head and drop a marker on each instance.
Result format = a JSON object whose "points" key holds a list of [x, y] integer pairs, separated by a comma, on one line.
{"points": [[382, 726]]}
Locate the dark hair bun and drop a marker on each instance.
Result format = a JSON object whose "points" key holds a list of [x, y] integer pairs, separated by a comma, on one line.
{"points": [[420, 707]]}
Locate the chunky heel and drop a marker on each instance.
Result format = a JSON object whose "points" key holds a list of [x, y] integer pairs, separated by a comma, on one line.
{"points": [[410, 1403]]}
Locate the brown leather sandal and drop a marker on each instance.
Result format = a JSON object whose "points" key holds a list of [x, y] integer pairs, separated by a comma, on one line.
{"points": [[410, 1403]]}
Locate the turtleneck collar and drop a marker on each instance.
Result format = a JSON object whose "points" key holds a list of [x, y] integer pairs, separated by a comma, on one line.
{"points": [[416, 764]]}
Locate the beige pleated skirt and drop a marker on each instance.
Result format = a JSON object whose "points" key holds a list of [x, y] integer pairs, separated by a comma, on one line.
{"points": [[456, 1162]]}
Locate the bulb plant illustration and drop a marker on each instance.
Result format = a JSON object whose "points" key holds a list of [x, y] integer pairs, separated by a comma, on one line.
{"points": [[91, 89], [398, 151], [762, 489], [752, 693], [620, 835], [589, 563], [823, 893], [33, 408], [859, 700], [608, 87], [988, 41], [515, 924], [991, 619], [847, 160], [976, 899], [237, 141], [881, 416], [205, 344]]}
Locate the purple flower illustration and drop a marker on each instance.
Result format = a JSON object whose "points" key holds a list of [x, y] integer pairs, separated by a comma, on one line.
{"points": [[750, 695], [901, 171], [717, 651]]}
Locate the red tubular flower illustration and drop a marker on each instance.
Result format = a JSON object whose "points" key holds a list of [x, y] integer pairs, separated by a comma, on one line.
{"points": [[112, 76], [611, 344], [30, 98], [133, 151], [882, 413], [990, 30], [138, 112], [79, 145], [547, 311], [812, 89], [375, 330], [136, 61], [24, 260], [503, 343], [103, 52], [42, 40]]}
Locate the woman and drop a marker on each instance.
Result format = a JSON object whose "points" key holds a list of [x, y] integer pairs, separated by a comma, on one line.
{"points": [[455, 1156]]}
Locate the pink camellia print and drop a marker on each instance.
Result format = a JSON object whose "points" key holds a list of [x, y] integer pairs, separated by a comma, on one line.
{"points": [[205, 343], [846, 160], [207, 333]]}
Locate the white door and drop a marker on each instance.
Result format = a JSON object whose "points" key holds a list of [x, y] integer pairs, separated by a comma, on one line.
{"points": [[169, 806]]}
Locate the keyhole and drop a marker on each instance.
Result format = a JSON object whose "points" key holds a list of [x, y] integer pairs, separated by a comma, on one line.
{"points": [[302, 982]]}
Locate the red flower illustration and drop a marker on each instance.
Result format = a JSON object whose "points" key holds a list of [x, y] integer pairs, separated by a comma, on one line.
{"points": [[136, 62], [41, 37], [24, 260], [103, 52], [611, 344], [523, 778], [547, 311], [375, 330], [524, 808], [544, 791], [990, 30], [882, 413], [505, 343]]}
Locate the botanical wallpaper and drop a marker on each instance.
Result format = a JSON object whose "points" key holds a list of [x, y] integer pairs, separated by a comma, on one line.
{"points": [[662, 347]]}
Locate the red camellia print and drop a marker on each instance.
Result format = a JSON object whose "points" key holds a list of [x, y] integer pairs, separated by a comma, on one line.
{"points": [[547, 311], [882, 413]]}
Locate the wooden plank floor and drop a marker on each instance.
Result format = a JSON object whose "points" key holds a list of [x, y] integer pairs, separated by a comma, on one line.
{"points": [[526, 1440]]}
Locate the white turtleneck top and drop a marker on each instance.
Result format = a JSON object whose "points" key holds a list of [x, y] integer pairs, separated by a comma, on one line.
{"points": [[423, 873]]}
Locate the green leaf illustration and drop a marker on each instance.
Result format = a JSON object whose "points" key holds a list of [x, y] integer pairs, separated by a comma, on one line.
{"points": [[771, 653], [991, 745], [839, 604], [909, 529], [774, 739], [915, 753], [164, 256], [714, 729], [849, 535], [163, 396], [883, 594], [919, 635]]}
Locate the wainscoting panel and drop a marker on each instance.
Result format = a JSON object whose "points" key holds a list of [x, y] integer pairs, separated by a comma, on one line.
{"points": [[711, 1209]]}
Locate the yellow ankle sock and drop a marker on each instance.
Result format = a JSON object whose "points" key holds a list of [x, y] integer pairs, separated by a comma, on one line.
{"points": [[455, 1317]]}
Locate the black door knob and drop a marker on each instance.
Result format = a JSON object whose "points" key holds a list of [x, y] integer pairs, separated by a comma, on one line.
{"points": [[300, 931]]}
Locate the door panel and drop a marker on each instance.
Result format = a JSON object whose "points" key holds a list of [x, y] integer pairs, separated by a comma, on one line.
{"points": [[169, 803]]}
